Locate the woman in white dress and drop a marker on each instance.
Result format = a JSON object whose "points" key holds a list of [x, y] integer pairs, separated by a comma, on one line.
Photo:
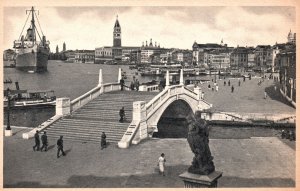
{"points": [[161, 164]]}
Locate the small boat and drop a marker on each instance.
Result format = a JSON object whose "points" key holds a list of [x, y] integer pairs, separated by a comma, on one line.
{"points": [[24, 98]]}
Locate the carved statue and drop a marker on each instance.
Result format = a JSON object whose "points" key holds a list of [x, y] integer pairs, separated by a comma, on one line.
{"points": [[198, 140]]}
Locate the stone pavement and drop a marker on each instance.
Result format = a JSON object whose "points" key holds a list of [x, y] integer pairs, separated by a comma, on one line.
{"points": [[247, 98], [246, 162]]}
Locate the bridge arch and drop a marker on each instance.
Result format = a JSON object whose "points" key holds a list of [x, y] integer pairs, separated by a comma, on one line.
{"points": [[172, 122], [155, 117]]}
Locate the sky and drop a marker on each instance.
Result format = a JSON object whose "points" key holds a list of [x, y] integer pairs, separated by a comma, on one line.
{"points": [[171, 27]]}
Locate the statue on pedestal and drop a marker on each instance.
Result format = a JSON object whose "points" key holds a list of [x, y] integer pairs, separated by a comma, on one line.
{"points": [[198, 140]]}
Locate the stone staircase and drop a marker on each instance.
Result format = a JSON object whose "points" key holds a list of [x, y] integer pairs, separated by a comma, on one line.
{"points": [[99, 115]]}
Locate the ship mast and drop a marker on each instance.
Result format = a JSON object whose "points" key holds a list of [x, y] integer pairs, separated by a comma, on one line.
{"points": [[32, 24]]}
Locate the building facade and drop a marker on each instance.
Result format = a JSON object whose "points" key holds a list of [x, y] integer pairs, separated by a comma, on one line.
{"points": [[291, 37], [286, 61], [84, 56], [200, 49], [239, 58], [103, 55]]}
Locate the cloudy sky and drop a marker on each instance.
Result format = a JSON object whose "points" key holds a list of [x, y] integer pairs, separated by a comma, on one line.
{"points": [[90, 27]]}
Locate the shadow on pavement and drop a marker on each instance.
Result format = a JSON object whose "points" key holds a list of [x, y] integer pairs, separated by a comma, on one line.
{"points": [[154, 180], [231, 181], [51, 147], [67, 151], [276, 95]]}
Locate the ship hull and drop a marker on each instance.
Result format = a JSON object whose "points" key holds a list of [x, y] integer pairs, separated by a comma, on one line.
{"points": [[32, 59]]}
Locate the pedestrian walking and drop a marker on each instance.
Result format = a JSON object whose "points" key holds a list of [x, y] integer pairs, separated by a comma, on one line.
{"points": [[137, 84], [275, 88], [132, 86], [122, 114], [37, 141], [239, 83], [161, 164], [208, 86], [229, 83], [60, 146], [122, 83], [244, 78], [232, 89], [44, 142], [217, 88], [103, 141], [224, 83]]}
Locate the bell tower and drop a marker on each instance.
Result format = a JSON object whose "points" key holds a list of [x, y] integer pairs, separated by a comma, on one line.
{"points": [[117, 45]]}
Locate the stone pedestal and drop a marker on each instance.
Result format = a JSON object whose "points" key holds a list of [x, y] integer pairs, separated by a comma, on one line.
{"points": [[200, 181], [8, 133], [63, 106]]}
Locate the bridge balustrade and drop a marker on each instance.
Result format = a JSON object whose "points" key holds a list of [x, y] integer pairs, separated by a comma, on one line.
{"points": [[92, 94]]}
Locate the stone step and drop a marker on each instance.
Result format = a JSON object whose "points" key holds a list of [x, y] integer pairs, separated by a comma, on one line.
{"points": [[101, 111], [85, 139], [100, 124], [101, 116], [76, 132]]}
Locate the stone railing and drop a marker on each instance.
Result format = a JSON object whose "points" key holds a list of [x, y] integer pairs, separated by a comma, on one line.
{"points": [[92, 94], [173, 90]]}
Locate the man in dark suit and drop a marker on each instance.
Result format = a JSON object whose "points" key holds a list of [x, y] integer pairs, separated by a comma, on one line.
{"points": [[103, 141], [122, 114], [60, 146], [44, 141], [37, 141]]}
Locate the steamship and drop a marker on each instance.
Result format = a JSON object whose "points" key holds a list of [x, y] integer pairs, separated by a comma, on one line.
{"points": [[32, 52]]}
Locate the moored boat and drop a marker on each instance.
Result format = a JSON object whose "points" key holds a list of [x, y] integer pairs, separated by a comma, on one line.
{"points": [[25, 98]]}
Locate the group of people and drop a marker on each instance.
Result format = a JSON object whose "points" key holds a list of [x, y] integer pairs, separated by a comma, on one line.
{"points": [[44, 138], [135, 84]]}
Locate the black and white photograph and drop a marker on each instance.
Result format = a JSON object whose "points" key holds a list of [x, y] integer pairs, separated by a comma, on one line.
{"points": [[147, 94]]}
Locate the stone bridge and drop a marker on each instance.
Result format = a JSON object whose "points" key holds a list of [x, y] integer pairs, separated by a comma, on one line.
{"points": [[84, 118]]}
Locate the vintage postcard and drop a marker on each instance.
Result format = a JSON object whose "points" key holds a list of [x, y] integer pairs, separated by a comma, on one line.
{"points": [[149, 94]]}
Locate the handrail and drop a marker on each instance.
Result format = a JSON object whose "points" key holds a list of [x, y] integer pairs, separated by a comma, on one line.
{"points": [[85, 95], [88, 96]]}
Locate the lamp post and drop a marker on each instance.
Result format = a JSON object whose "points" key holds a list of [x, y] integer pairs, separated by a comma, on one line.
{"points": [[8, 109]]}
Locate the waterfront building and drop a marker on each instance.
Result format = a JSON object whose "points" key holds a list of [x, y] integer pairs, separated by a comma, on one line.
{"points": [[286, 60], [291, 37], [103, 55], [263, 57], [127, 52], [239, 58], [85, 56], [199, 49], [57, 50], [117, 45], [70, 55], [163, 58], [182, 57], [250, 57], [218, 59], [148, 50], [9, 54], [135, 56]]}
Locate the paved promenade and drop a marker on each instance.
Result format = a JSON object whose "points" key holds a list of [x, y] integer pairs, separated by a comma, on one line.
{"points": [[247, 98], [244, 161]]}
